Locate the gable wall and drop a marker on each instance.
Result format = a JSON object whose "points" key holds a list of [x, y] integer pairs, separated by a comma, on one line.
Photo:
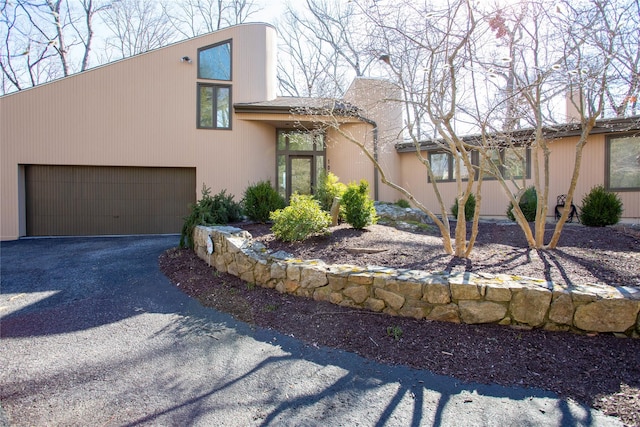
{"points": [[141, 111]]}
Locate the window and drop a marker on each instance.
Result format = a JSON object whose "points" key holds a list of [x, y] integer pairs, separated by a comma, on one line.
{"points": [[214, 106], [623, 163], [214, 62], [300, 161], [443, 167], [512, 163]]}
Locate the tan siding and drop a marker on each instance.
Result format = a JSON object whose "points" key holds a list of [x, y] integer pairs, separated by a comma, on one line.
{"points": [[141, 111], [495, 202]]}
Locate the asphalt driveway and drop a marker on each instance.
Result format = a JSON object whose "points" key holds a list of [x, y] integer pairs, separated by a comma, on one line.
{"points": [[94, 334]]}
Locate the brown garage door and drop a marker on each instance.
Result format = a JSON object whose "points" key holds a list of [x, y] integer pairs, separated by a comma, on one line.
{"points": [[97, 200]]}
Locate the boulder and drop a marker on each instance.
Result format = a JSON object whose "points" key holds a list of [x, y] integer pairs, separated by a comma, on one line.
{"points": [[607, 315], [481, 311]]}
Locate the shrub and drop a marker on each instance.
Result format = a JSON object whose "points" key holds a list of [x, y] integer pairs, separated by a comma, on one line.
{"points": [[469, 208], [600, 208], [302, 218], [358, 207], [329, 187], [528, 205], [209, 210], [402, 203], [260, 200]]}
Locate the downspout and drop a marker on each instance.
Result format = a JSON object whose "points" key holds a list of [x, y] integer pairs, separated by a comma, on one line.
{"points": [[375, 154]]}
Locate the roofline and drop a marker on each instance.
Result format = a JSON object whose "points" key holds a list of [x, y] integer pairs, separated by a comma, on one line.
{"points": [[264, 109], [340, 108], [97, 67], [522, 136]]}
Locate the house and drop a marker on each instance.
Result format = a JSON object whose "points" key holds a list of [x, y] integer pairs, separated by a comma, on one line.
{"points": [[609, 158], [125, 147]]}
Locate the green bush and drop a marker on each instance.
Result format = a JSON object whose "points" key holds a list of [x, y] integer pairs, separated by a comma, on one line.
{"points": [[260, 200], [358, 207], [402, 203], [209, 210], [528, 205], [328, 188], [469, 208], [600, 208], [302, 218]]}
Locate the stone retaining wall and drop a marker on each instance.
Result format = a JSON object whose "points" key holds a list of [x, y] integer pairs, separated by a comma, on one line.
{"points": [[459, 297]]}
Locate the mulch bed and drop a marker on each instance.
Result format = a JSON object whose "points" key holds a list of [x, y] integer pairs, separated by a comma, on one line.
{"points": [[602, 371]]}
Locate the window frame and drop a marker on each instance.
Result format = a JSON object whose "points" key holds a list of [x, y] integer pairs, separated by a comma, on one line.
{"points": [[214, 109], [475, 160], [502, 150], [607, 163], [319, 138], [212, 46]]}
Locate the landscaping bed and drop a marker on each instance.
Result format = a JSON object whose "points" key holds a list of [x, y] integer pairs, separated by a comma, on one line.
{"points": [[602, 371]]}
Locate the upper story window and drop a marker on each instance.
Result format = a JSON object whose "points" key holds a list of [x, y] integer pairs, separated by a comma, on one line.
{"points": [[214, 106], [623, 163], [214, 62]]}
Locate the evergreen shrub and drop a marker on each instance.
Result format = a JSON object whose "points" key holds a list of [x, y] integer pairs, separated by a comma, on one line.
{"points": [[209, 210], [358, 207], [469, 208], [260, 200], [298, 221], [600, 208], [528, 205]]}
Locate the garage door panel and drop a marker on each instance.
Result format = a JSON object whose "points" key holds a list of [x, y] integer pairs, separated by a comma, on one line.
{"points": [[84, 200]]}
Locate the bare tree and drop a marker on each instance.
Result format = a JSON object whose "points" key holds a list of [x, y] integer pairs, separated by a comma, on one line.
{"points": [[42, 39], [326, 42], [191, 18], [464, 68], [307, 65], [137, 26]]}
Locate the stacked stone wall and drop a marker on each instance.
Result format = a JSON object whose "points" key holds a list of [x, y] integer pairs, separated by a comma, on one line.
{"points": [[471, 298]]}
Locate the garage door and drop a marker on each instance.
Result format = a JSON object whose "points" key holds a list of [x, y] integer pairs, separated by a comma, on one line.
{"points": [[85, 200]]}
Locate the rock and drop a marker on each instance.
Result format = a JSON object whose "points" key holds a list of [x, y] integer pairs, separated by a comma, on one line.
{"points": [[396, 213], [293, 272], [278, 271], [322, 294], [244, 263], [562, 309], [607, 315], [464, 291], [445, 313], [262, 273], [437, 293], [336, 298], [358, 294], [530, 306], [375, 304], [498, 293], [337, 282], [407, 289], [481, 311], [313, 278], [360, 279], [392, 299]]}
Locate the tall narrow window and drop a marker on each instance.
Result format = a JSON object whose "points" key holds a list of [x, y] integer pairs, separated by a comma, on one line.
{"points": [[214, 106], [623, 163], [214, 62]]}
